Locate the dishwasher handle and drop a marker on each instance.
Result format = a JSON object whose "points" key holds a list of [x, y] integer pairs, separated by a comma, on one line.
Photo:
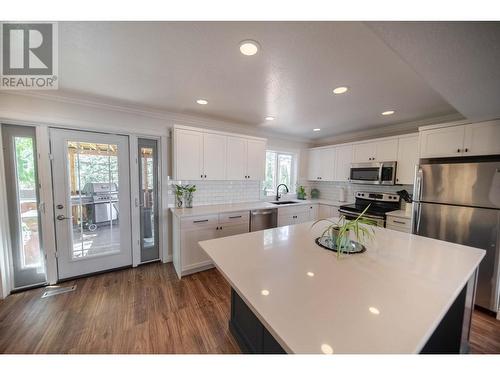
{"points": [[269, 212]]}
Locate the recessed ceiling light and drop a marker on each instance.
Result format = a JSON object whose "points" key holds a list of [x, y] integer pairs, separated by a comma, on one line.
{"points": [[249, 47], [310, 274], [269, 118], [388, 113], [264, 292], [374, 310], [202, 101], [316, 129], [327, 349], [340, 90]]}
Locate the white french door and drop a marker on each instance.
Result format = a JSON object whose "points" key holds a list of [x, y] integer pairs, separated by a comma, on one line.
{"points": [[91, 179]]}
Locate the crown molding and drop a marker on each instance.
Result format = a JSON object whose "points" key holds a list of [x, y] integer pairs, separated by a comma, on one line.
{"points": [[169, 117], [386, 131]]}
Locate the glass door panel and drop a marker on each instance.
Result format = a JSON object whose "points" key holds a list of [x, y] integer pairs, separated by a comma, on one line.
{"points": [[93, 180], [28, 259], [148, 199]]}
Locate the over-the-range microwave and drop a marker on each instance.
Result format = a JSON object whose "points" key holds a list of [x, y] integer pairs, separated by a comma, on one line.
{"points": [[382, 173]]}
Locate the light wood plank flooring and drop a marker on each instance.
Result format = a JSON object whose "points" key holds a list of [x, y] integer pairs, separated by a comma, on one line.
{"points": [[143, 310]]}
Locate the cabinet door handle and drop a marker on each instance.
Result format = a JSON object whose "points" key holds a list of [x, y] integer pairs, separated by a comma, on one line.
{"points": [[466, 150], [399, 222], [458, 150], [201, 176], [200, 221], [234, 217]]}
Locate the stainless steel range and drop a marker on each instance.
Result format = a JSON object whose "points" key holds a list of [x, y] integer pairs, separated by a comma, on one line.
{"points": [[104, 197], [380, 204]]}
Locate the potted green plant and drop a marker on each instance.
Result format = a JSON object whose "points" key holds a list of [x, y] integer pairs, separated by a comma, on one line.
{"points": [[179, 193], [301, 192], [188, 195], [337, 234]]}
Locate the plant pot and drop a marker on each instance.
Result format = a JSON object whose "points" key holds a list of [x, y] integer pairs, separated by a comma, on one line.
{"points": [[188, 200], [178, 201], [301, 196]]}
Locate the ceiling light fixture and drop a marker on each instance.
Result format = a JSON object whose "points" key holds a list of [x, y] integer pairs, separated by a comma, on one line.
{"points": [[388, 113], [316, 129], [374, 310], [310, 274], [202, 101], [327, 349], [249, 47], [269, 118], [264, 292], [340, 90]]}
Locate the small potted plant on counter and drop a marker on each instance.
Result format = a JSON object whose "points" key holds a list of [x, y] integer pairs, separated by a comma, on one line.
{"points": [[301, 193], [336, 236], [179, 194], [188, 195]]}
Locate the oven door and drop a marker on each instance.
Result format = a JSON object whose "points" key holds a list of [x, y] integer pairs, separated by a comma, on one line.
{"points": [[351, 215]]}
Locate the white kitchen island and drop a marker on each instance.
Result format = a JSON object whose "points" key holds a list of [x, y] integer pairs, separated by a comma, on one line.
{"points": [[405, 294]]}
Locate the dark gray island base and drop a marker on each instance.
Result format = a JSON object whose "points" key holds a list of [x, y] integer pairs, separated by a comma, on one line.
{"points": [[254, 338]]}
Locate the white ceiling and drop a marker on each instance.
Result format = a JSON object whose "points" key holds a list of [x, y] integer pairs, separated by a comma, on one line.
{"points": [[168, 65], [460, 59]]}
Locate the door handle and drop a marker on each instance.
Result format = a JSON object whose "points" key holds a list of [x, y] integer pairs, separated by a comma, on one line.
{"points": [[62, 217]]}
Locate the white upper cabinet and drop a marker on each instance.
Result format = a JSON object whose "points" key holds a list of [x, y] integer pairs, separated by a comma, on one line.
{"points": [[442, 142], [364, 152], [343, 160], [246, 159], [214, 156], [210, 155], [322, 164], [327, 157], [314, 165], [236, 158], [407, 159], [256, 159], [188, 152], [386, 150], [381, 150], [482, 138]]}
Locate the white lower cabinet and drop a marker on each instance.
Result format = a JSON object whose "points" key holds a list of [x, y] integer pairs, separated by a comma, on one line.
{"points": [[326, 211], [401, 224], [297, 214], [188, 256]]}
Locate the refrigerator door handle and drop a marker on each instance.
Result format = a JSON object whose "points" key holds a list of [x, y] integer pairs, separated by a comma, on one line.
{"points": [[417, 190]]}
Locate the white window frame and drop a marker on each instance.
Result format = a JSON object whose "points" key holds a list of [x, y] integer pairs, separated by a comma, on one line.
{"points": [[293, 173]]}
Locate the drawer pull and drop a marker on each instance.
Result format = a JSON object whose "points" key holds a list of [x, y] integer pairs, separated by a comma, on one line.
{"points": [[200, 221], [399, 222], [235, 217]]}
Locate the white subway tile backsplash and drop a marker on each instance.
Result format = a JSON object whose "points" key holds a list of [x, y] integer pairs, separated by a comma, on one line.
{"points": [[218, 192], [331, 190]]}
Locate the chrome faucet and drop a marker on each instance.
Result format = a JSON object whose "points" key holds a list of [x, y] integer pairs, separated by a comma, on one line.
{"points": [[278, 191]]}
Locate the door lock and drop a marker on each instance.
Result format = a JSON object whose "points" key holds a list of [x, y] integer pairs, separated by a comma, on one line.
{"points": [[62, 217], [59, 206]]}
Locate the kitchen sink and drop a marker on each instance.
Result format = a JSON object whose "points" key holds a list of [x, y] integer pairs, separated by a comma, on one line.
{"points": [[284, 202]]}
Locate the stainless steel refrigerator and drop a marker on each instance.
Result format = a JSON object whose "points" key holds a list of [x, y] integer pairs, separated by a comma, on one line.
{"points": [[459, 201]]}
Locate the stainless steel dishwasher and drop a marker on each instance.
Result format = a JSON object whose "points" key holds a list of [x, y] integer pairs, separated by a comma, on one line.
{"points": [[263, 219]]}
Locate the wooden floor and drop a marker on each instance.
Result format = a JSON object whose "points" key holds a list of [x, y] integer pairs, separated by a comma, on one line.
{"points": [[143, 310]]}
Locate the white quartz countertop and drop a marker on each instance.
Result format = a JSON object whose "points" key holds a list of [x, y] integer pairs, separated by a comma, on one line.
{"points": [[388, 299], [230, 207], [400, 213]]}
